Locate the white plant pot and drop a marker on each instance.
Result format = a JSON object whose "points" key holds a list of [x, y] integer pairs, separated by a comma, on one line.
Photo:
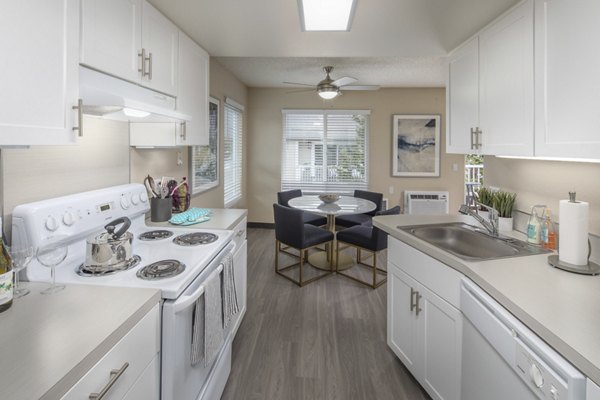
{"points": [[505, 224]]}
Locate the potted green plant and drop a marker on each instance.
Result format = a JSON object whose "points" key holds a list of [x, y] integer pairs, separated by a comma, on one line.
{"points": [[485, 197], [504, 202]]}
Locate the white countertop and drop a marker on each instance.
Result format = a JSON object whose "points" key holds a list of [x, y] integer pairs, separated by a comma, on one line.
{"points": [[563, 308], [221, 218], [48, 342]]}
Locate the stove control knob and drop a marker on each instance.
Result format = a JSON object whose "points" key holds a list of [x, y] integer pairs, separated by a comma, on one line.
{"points": [[125, 203], [51, 223], [144, 197], [68, 218], [135, 199], [536, 376], [553, 392]]}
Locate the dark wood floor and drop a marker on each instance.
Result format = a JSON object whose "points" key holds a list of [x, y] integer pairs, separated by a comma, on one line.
{"points": [[326, 340]]}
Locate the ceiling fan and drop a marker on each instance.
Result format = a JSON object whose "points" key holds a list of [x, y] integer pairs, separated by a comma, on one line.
{"points": [[329, 88]]}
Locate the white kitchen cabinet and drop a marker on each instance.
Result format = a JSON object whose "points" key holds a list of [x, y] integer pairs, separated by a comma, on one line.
{"points": [[240, 265], [147, 387], [506, 84], [490, 88], [424, 329], [592, 391], [566, 69], [119, 371], [131, 40], [39, 43], [192, 98], [111, 36], [462, 98], [156, 134]]}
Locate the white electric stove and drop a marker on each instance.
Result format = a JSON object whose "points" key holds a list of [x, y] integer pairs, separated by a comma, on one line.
{"points": [[190, 254]]}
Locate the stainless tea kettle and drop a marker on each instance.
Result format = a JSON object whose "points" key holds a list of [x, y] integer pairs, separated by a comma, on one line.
{"points": [[110, 249]]}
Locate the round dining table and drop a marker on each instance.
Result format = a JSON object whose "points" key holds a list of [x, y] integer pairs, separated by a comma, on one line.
{"points": [[344, 205]]}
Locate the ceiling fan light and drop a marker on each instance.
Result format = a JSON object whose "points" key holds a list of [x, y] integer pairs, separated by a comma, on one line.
{"points": [[328, 94], [326, 15]]}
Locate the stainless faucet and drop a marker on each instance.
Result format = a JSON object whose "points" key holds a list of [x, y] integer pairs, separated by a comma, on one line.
{"points": [[491, 225]]}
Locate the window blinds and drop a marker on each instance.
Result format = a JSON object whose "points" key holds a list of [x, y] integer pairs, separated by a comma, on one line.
{"points": [[325, 150], [232, 154]]}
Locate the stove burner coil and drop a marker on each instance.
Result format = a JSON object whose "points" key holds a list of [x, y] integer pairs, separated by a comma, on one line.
{"points": [[161, 269], [158, 234], [83, 271], [195, 239]]}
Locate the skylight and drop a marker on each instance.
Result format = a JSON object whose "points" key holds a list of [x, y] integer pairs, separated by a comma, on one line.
{"points": [[326, 15]]}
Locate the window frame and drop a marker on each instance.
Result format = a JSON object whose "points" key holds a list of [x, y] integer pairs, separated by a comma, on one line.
{"points": [[201, 188], [238, 154]]}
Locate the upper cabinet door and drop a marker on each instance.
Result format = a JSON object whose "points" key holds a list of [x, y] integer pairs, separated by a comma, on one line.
{"points": [[462, 99], [506, 84], [160, 41], [39, 43], [192, 98], [567, 78], [111, 37]]}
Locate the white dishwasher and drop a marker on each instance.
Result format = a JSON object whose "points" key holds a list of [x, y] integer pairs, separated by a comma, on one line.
{"points": [[503, 359]]}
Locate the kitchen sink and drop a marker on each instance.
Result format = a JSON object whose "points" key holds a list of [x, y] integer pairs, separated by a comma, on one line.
{"points": [[471, 243]]}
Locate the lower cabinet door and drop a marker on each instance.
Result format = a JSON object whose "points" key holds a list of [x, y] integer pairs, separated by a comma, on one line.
{"points": [[147, 386], [402, 319], [240, 262], [440, 333]]}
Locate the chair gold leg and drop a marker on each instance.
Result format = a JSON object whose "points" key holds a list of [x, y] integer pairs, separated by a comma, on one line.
{"points": [[337, 256], [277, 248], [302, 252], [374, 269]]}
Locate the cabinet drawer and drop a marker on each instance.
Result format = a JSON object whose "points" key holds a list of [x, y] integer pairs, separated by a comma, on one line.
{"points": [[239, 233], [137, 348], [437, 277]]}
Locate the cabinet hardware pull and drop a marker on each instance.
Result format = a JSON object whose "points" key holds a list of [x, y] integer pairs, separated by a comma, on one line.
{"points": [[115, 374], [419, 309], [183, 134], [142, 62], [473, 133], [479, 134], [149, 66], [412, 302], [240, 232], [79, 108]]}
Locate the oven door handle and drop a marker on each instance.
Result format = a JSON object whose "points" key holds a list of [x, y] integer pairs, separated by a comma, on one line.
{"points": [[187, 300]]}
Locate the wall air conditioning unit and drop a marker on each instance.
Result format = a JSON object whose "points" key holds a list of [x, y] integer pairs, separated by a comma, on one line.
{"points": [[425, 203]]}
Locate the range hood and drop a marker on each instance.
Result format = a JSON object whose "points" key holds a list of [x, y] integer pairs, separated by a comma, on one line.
{"points": [[112, 98]]}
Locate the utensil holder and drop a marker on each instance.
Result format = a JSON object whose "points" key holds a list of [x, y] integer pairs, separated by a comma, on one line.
{"points": [[160, 209]]}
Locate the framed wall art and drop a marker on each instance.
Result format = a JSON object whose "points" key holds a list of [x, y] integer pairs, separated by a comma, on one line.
{"points": [[204, 160], [416, 145]]}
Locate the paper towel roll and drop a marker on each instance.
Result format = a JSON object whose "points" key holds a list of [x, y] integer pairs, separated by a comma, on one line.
{"points": [[573, 232]]}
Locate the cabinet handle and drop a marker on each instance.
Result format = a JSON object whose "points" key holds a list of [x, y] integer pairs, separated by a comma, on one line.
{"points": [[473, 134], [115, 374], [79, 108], [412, 296], [240, 233], [183, 134], [479, 133], [419, 309], [149, 66], [142, 62]]}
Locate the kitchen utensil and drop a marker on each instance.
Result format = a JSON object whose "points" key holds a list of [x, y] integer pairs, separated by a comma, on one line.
{"points": [[150, 185], [50, 255], [160, 209], [110, 249]]}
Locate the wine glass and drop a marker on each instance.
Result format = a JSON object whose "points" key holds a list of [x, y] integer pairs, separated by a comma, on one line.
{"points": [[21, 255], [50, 256]]}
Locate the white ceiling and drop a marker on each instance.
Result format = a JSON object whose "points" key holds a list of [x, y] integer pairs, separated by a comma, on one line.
{"points": [[392, 43]]}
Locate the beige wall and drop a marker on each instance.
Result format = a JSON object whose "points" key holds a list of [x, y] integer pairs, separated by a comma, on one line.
{"points": [[265, 131], [100, 159], [159, 162], [547, 182]]}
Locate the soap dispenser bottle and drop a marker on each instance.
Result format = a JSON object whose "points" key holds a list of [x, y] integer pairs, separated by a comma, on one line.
{"points": [[548, 236], [534, 226]]}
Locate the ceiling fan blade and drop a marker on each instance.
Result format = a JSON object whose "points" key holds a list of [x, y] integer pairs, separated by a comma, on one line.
{"points": [[300, 91], [360, 87], [344, 80], [296, 83]]}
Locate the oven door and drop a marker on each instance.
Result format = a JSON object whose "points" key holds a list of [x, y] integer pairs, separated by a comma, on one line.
{"points": [[180, 380]]}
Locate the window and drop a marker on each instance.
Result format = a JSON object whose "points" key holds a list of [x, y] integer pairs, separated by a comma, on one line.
{"points": [[232, 152], [325, 150], [204, 160]]}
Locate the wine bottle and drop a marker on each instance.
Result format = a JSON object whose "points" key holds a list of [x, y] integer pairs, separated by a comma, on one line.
{"points": [[6, 275]]}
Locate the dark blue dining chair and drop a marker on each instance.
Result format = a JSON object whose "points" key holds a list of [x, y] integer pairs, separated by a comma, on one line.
{"points": [[368, 238], [291, 231], [283, 199], [351, 220]]}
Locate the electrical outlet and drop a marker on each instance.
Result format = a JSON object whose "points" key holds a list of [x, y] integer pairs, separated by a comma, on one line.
{"points": [[391, 190], [179, 159], [455, 167]]}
